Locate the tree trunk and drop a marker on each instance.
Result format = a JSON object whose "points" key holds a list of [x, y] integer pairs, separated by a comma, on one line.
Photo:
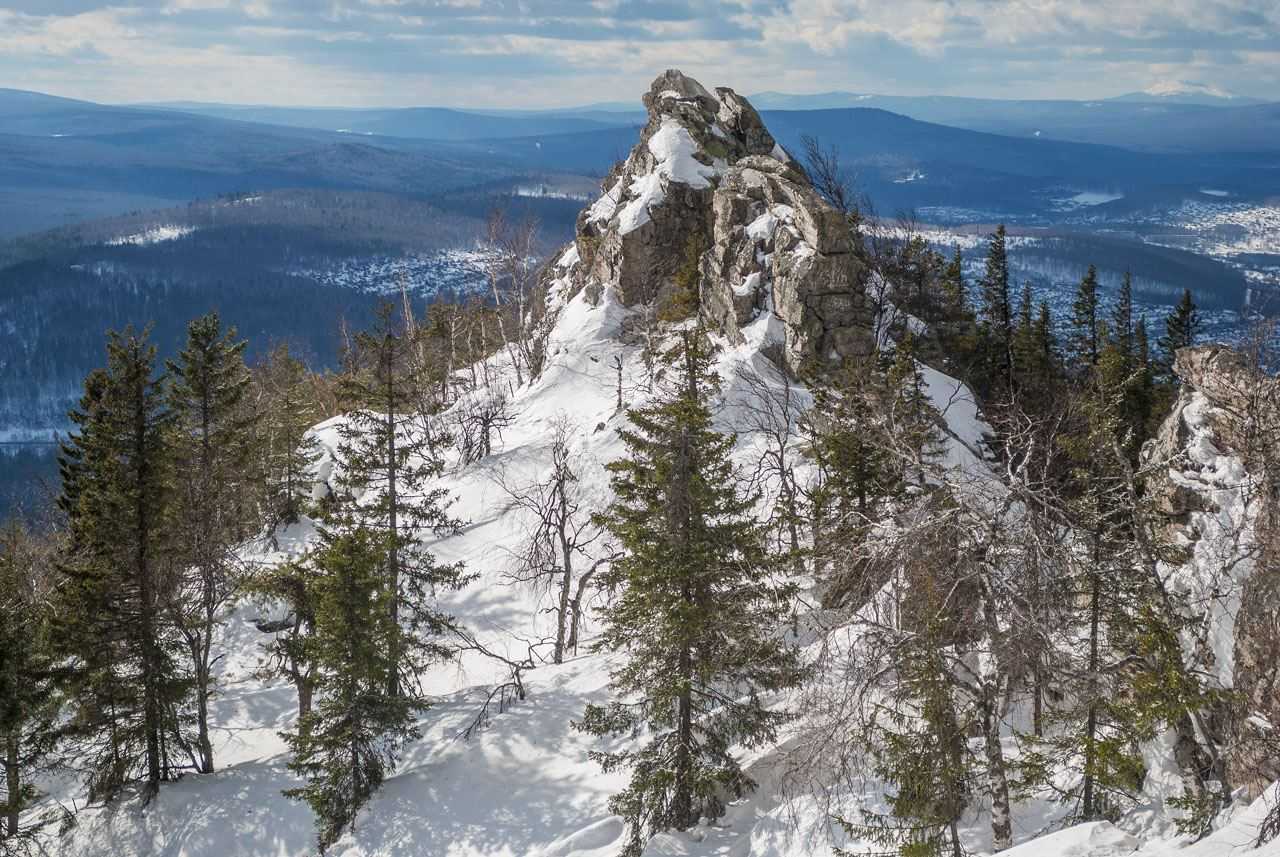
{"points": [[148, 598], [204, 745], [393, 557], [566, 583], [12, 783], [1088, 807], [306, 689], [682, 802], [997, 777]]}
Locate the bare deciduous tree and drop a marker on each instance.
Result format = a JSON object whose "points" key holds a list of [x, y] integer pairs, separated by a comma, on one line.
{"points": [[559, 539]]}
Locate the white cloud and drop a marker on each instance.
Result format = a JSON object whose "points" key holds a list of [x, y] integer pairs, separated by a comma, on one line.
{"points": [[399, 51]]}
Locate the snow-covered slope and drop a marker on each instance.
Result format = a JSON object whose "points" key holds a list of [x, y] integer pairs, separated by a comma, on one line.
{"points": [[524, 786]]}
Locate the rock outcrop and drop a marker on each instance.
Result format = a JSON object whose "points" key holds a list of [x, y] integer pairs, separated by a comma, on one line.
{"points": [[1218, 492], [707, 175]]}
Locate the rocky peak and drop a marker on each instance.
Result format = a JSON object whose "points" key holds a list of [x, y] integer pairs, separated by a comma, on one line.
{"points": [[706, 174]]}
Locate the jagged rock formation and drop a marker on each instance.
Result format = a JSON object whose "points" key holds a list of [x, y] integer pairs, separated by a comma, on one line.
{"points": [[1219, 498], [707, 173]]}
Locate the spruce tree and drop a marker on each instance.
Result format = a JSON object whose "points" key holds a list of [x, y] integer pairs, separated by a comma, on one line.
{"points": [[996, 316], [695, 616], [856, 474], [913, 419], [918, 747], [124, 679], [211, 496], [1122, 331], [346, 745], [28, 700], [365, 619], [1181, 327], [386, 463], [1025, 350], [286, 452], [957, 332], [1085, 346]]}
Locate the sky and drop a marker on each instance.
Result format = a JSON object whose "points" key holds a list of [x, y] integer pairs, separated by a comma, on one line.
{"points": [[552, 53]]}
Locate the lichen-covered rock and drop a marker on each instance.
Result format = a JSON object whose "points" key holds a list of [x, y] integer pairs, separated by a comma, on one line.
{"points": [[706, 172]]}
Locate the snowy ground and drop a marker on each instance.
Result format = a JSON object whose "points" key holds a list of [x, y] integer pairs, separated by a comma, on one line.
{"points": [[460, 271], [524, 786]]}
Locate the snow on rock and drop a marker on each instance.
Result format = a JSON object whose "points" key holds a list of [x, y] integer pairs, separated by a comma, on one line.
{"points": [[1212, 504], [601, 211], [674, 147]]}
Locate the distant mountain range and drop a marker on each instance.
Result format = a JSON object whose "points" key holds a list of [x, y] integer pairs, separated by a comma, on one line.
{"points": [[1172, 117], [431, 123], [64, 161]]}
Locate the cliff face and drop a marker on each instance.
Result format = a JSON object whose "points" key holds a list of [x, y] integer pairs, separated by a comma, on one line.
{"points": [[707, 175], [1218, 493]]}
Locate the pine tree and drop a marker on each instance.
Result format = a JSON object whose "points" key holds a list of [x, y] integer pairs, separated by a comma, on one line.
{"points": [[695, 615], [1181, 326], [28, 701], [386, 462], [996, 315], [211, 496], [1084, 322], [125, 684], [345, 746]]}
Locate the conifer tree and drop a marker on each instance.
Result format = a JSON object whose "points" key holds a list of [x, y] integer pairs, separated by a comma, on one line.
{"points": [[855, 472], [287, 453], [1181, 327], [1025, 351], [211, 496], [345, 746], [28, 700], [124, 682], [1044, 335], [1085, 345], [918, 744], [958, 329], [695, 616], [1122, 330], [365, 619], [996, 315], [914, 421], [386, 463], [1122, 676]]}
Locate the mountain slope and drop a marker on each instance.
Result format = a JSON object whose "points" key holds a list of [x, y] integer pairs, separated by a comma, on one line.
{"points": [[779, 287]]}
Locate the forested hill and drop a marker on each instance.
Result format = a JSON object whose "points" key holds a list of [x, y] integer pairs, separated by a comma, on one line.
{"points": [[746, 525]]}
